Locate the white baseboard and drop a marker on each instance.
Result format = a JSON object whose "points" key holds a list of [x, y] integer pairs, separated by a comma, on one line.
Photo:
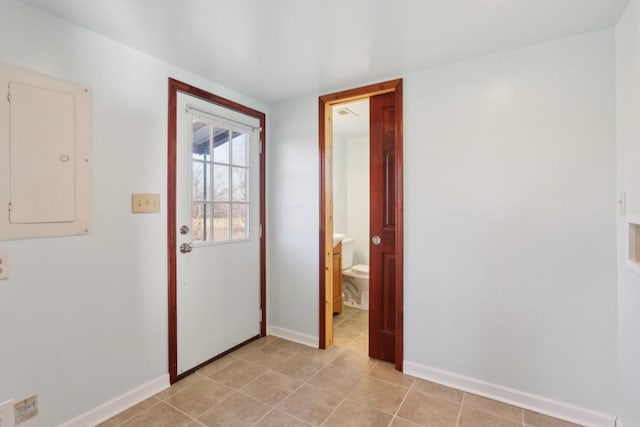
{"points": [[518, 398], [115, 406], [294, 336]]}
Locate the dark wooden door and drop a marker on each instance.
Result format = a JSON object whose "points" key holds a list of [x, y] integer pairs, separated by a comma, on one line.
{"points": [[382, 253]]}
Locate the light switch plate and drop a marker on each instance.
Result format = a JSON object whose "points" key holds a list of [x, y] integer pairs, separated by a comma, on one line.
{"points": [[4, 265], [145, 202], [6, 414]]}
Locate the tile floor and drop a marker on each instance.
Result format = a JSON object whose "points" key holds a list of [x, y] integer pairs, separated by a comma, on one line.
{"points": [[274, 382]]}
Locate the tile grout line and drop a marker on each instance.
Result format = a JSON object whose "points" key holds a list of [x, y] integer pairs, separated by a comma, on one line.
{"points": [[395, 414], [133, 416], [347, 395], [460, 410]]}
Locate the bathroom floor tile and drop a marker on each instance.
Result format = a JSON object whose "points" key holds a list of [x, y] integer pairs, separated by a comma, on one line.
{"points": [[378, 394], [310, 403], [238, 410], [344, 337], [271, 387], [360, 345], [352, 414]]}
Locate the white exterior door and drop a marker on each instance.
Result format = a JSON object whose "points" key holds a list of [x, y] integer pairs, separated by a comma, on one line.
{"points": [[217, 235]]}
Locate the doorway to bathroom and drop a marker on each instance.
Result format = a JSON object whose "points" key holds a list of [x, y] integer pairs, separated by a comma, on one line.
{"points": [[372, 235]]}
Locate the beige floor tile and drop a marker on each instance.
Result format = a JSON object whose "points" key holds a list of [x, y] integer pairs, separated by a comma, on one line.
{"points": [[238, 410], [378, 394], [354, 324], [160, 415], [270, 355], [401, 422], [248, 348], [291, 346], [238, 373], [536, 419], [360, 345], [299, 367], [195, 423], [472, 418], [216, 365], [352, 414], [344, 337], [323, 356], [130, 413], [180, 385], [310, 403], [430, 411], [277, 418], [387, 371], [438, 390], [271, 387], [200, 397], [350, 359], [337, 380], [493, 407]]}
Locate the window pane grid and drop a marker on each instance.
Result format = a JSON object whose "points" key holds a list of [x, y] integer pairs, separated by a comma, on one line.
{"points": [[221, 176]]}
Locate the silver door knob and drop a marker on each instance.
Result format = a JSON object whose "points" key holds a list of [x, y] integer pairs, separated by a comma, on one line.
{"points": [[376, 240], [185, 248]]}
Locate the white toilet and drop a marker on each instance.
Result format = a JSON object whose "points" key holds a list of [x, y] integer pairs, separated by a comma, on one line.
{"points": [[355, 279]]}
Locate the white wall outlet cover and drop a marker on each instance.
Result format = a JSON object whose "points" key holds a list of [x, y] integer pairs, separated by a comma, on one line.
{"points": [[4, 266], [6, 414]]}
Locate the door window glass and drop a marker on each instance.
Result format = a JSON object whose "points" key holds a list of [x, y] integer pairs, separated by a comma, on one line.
{"points": [[220, 183]]}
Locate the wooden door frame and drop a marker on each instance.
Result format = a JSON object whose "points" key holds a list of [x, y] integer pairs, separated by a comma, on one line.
{"points": [[326, 102], [176, 86]]}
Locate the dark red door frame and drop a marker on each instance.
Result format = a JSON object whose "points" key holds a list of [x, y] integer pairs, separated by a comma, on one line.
{"points": [[176, 86]]}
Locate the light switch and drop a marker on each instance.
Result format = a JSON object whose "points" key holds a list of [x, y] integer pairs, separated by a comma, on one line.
{"points": [[4, 265], [145, 202]]}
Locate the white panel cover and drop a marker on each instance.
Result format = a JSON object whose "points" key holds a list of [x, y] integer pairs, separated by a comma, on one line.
{"points": [[42, 126]]}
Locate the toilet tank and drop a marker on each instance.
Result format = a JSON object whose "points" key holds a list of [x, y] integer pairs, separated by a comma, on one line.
{"points": [[347, 253]]}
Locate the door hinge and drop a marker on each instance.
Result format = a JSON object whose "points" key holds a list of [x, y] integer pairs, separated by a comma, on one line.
{"points": [[9, 96], [260, 146], [260, 315], [10, 206], [260, 231]]}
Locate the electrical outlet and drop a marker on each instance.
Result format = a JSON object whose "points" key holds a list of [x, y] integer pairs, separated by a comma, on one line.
{"points": [[6, 414], [25, 409], [144, 203], [4, 265]]}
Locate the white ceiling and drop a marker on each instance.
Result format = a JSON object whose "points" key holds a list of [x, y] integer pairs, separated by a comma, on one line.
{"points": [[351, 125], [279, 49]]}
